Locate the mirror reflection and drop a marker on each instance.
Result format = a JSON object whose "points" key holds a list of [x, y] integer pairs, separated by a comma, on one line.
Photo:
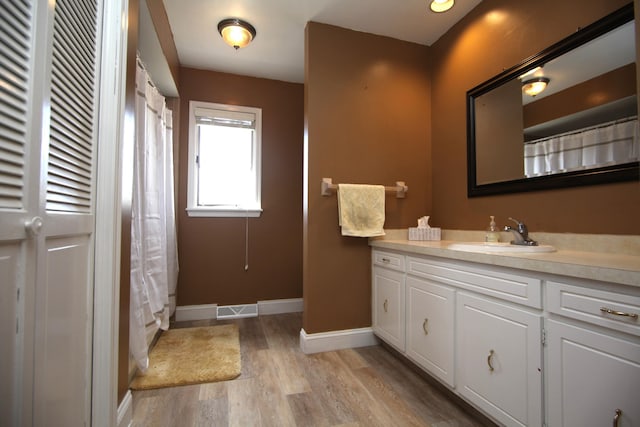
{"points": [[565, 113]]}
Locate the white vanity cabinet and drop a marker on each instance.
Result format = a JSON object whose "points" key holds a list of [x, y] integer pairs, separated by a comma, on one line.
{"points": [[430, 322], [388, 305], [499, 359], [498, 326], [549, 349], [475, 328], [593, 348]]}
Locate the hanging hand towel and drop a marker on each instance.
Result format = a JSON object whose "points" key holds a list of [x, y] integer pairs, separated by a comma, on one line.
{"points": [[361, 210]]}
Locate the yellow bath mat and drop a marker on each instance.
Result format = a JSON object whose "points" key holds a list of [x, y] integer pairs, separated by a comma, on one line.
{"points": [[192, 356]]}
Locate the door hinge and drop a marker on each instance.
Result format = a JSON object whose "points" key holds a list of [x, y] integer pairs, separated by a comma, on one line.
{"points": [[544, 336]]}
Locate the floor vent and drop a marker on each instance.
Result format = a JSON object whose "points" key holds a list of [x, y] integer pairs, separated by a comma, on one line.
{"points": [[237, 311]]}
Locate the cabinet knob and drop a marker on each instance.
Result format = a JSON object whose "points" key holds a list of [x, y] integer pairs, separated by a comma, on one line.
{"points": [[424, 326], [616, 417], [490, 360], [384, 305], [386, 260]]}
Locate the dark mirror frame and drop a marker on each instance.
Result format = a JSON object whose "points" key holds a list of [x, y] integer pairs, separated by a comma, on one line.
{"points": [[609, 174]]}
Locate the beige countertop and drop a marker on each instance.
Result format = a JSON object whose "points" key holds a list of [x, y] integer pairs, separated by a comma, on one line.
{"points": [[606, 258]]}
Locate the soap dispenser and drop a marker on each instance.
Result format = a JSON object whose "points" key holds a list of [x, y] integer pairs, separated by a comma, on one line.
{"points": [[492, 235]]}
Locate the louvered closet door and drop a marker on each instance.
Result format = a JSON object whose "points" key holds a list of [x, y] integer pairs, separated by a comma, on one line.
{"points": [[47, 146], [17, 258]]}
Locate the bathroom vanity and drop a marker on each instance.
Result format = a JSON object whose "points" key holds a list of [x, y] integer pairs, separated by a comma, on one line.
{"points": [[530, 339]]}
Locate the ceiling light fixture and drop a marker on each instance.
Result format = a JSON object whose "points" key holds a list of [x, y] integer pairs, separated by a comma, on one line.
{"points": [[535, 86], [236, 32], [441, 5]]}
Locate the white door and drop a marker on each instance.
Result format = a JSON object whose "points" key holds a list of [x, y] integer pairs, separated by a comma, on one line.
{"points": [[499, 359], [593, 377], [388, 306], [48, 55], [430, 320]]}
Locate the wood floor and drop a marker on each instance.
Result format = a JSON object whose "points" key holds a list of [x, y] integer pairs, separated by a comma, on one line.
{"points": [[281, 386]]}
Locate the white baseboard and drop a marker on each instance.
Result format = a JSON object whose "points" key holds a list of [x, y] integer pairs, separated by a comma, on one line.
{"points": [[279, 306], [196, 312], [336, 340], [125, 410], [210, 311]]}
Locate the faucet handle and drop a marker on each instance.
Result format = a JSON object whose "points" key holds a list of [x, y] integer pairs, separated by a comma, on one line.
{"points": [[522, 228], [516, 221]]}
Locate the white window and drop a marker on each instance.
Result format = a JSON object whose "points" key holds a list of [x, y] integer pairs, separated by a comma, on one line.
{"points": [[224, 160]]}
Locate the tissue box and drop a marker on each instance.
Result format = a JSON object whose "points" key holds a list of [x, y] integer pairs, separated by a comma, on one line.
{"points": [[416, 233]]}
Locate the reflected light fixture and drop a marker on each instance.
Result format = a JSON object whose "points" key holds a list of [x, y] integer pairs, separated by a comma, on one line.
{"points": [[535, 86], [441, 5], [236, 32], [531, 73]]}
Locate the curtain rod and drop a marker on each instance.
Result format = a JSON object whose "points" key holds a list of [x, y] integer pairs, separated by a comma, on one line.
{"points": [[574, 132]]}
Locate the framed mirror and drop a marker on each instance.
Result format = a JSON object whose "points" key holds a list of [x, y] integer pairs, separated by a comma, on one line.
{"points": [[566, 116]]}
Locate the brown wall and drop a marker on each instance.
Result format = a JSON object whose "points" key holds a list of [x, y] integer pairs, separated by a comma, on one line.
{"points": [[467, 56], [212, 250], [367, 118]]}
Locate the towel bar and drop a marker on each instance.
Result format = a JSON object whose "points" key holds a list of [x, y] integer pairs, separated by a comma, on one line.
{"points": [[328, 186]]}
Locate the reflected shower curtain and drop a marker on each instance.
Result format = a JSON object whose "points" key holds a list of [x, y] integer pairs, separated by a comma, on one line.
{"points": [[154, 261], [612, 143]]}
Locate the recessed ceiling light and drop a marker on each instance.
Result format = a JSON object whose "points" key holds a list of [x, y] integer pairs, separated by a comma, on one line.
{"points": [[441, 5]]}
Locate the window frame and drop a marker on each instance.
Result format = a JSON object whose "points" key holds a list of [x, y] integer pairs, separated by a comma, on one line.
{"points": [[195, 210]]}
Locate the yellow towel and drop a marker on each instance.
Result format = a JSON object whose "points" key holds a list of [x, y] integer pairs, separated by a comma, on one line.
{"points": [[361, 210]]}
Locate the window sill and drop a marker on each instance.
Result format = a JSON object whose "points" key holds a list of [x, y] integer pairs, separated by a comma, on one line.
{"points": [[223, 212]]}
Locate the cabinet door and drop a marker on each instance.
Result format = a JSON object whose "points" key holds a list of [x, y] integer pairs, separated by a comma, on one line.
{"points": [[499, 359], [590, 376], [388, 306], [430, 311]]}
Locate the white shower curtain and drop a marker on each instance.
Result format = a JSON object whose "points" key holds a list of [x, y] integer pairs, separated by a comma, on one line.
{"points": [[154, 261]]}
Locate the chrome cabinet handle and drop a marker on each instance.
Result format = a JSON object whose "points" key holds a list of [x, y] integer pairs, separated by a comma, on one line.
{"points": [[424, 327], [616, 417], [618, 313], [490, 360], [384, 305]]}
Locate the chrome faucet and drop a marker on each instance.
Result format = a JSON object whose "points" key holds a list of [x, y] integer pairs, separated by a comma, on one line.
{"points": [[521, 234]]}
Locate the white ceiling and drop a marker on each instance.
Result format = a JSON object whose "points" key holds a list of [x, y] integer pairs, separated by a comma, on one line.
{"points": [[277, 52]]}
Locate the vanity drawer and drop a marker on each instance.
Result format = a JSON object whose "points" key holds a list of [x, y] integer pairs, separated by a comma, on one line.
{"points": [[488, 280], [389, 260], [606, 308]]}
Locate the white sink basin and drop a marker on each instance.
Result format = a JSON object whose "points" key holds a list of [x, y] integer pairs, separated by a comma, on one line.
{"points": [[499, 248]]}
